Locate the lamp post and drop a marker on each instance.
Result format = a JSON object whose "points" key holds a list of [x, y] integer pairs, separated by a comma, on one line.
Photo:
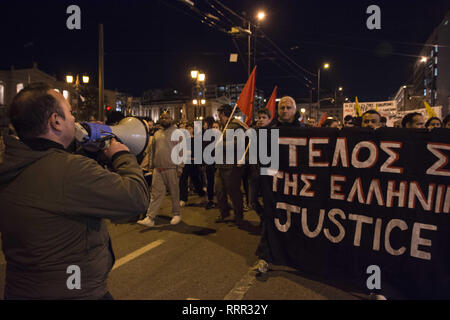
{"points": [[259, 17], [198, 92], [85, 80], [335, 95], [325, 66]]}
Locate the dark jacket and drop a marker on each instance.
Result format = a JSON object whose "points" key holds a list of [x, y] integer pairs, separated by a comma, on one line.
{"points": [[51, 216], [296, 123], [234, 124]]}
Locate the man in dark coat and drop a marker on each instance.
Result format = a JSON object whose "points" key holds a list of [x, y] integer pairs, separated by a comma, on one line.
{"points": [[53, 203]]}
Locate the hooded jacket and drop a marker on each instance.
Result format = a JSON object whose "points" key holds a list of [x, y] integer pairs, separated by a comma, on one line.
{"points": [[52, 205]]}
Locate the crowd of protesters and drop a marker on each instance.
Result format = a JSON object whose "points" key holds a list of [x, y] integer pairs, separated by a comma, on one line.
{"points": [[49, 137]]}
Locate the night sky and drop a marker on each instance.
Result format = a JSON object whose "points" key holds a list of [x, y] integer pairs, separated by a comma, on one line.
{"points": [[154, 43]]}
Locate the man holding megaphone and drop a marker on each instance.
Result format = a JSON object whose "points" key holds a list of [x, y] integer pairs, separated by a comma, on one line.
{"points": [[53, 203]]}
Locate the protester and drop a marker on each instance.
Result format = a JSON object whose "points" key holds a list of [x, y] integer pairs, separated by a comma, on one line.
{"points": [[330, 123], [228, 176], [53, 203], [433, 122], [371, 119], [192, 171], [288, 114], [210, 169], [264, 116], [165, 173], [348, 121], [446, 122], [357, 121], [398, 123], [383, 121], [413, 120], [312, 122]]}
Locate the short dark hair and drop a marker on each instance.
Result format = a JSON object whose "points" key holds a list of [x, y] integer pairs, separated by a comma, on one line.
{"points": [[264, 111], [409, 118], [226, 109], [31, 108], [446, 120], [328, 122], [371, 111], [348, 117], [209, 121], [383, 119], [427, 124]]}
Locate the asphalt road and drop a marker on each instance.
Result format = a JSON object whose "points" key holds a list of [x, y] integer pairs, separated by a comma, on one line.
{"points": [[201, 259]]}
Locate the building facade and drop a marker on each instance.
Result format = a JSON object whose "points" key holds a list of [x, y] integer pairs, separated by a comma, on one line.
{"points": [[431, 72]]}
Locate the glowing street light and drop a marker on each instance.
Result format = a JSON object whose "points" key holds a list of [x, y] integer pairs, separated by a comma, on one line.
{"points": [[85, 79], [69, 79], [423, 59], [203, 101], [194, 74], [302, 110], [261, 15], [194, 101], [326, 65], [201, 77], [340, 89]]}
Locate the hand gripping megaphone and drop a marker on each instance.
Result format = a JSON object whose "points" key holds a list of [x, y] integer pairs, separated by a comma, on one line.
{"points": [[130, 131]]}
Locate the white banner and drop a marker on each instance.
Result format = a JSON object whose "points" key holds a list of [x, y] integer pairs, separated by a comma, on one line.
{"points": [[387, 109]]}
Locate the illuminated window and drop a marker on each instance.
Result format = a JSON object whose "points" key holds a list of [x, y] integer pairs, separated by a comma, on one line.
{"points": [[66, 94], [19, 87], [435, 60], [436, 48], [2, 94], [435, 94], [425, 92], [435, 72]]}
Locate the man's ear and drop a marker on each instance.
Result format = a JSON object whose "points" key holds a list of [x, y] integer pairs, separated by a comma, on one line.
{"points": [[54, 122]]}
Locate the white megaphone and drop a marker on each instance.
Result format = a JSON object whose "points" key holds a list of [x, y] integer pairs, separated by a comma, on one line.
{"points": [[130, 131]]}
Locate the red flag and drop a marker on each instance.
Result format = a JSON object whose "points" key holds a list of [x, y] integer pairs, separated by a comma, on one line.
{"points": [[322, 120], [245, 101], [271, 104]]}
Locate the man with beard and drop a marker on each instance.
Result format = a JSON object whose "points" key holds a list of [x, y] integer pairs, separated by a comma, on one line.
{"points": [[165, 173]]}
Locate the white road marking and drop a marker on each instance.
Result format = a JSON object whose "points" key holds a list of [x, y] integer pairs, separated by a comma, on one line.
{"points": [[241, 288], [137, 253]]}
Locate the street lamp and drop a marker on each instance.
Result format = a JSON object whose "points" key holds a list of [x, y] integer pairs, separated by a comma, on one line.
{"points": [[335, 95], [198, 93], [325, 66], [261, 15], [423, 59], [69, 79]]}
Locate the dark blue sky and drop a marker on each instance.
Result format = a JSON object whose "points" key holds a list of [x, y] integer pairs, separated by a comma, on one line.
{"points": [[154, 44]]}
